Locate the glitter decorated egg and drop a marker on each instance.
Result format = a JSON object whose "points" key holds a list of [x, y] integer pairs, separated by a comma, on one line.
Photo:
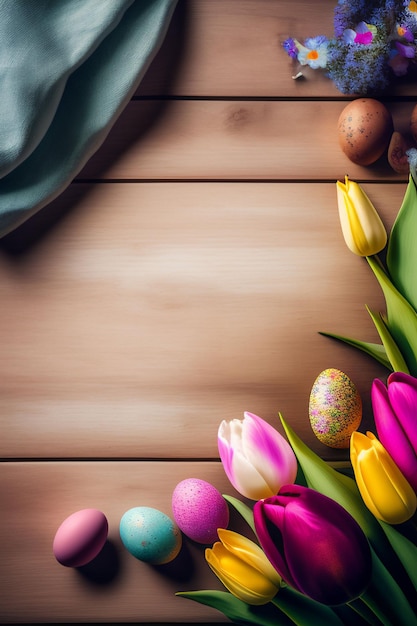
{"points": [[150, 535], [80, 537], [199, 509], [335, 408]]}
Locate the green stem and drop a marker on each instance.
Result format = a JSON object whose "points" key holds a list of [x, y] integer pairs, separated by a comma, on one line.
{"points": [[304, 611], [363, 609], [378, 260], [373, 606], [287, 613], [374, 599]]}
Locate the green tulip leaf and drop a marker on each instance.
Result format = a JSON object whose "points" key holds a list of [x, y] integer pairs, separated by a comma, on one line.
{"points": [[363, 613], [393, 353], [304, 610], [336, 485], [402, 249], [293, 608], [405, 549], [343, 489], [242, 508], [387, 599], [402, 318], [238, 611], [375, 350]]}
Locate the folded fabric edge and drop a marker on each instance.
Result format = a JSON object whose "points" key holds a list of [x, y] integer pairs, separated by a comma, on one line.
{"points": [[95, 96]]}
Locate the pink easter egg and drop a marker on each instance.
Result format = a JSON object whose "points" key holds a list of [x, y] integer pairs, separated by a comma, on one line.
{"points": [[199, 510], [80, 537]]}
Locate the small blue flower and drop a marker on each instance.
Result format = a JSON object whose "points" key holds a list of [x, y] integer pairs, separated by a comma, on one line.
{"points": [[314, 52], [373, 40]]}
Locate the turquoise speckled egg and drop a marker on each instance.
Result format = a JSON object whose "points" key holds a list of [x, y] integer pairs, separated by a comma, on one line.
{"points": [[150, 535], [335, 408]]}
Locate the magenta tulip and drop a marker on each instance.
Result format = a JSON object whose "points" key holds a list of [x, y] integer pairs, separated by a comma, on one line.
{"points": [[395, 414], [314, 544], [256, 457]]}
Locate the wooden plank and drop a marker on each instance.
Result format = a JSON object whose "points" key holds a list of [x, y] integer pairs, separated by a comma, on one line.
{"points": [[37, 497], [151, 312], [225, 140], [234, 47]]}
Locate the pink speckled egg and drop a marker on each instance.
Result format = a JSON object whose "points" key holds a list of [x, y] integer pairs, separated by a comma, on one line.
{"points": [[80, 537], [199, 510]]}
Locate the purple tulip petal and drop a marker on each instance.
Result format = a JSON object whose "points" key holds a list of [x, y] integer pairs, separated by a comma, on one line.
{"points": [[385, 419], [316, 520], [395, 414], [390, 424], [268, 518], [402, 394], [315, 544]]}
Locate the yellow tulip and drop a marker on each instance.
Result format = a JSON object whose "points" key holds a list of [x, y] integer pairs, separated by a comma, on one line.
{"points": [[243, 568], [362, 228], [384, 489]]}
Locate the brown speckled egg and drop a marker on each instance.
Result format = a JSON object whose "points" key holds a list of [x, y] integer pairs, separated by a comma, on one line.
{"points": [[365, 127], [335, 408]]}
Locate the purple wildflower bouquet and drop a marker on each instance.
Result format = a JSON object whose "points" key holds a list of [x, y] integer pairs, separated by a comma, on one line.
{"points": [[373, 42], [327, 546]]}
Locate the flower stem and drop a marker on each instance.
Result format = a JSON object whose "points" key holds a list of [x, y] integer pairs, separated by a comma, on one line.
{"points": [[304, 611], [362, 608], [401, 615], [374, 608]]}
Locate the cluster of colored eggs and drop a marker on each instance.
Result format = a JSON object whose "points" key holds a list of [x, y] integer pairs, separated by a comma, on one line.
{"points": [[148, 534], [198, 508]]}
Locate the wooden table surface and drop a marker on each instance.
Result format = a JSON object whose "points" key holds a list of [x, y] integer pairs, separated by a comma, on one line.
{"points": [[180, 280]]}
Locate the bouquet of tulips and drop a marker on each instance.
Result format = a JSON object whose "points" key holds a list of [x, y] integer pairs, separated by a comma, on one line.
{"points": [[331, 547]]}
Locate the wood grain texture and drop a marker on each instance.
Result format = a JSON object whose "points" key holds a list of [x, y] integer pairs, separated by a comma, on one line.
{"points": [[180, 280], [154, 311], [223, 140], [115, 587], [234, 48]]}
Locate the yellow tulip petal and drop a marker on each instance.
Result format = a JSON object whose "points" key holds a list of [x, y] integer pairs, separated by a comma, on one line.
{"points": [[249, 552], [362, 228], [240, 578], [406, 497], [383, 488]]}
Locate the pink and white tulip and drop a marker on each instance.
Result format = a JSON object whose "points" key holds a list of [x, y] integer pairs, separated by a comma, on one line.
{"points": [[257, 459]]}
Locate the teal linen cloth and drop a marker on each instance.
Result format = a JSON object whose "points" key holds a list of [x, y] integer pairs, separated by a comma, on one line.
{"points": [[67, 70]]}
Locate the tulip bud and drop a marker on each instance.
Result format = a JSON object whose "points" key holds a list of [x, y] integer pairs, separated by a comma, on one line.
{"points": [[395, 408], [257, 459], [314, 544], [243, 568], [384, 489], [362, 228]]}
